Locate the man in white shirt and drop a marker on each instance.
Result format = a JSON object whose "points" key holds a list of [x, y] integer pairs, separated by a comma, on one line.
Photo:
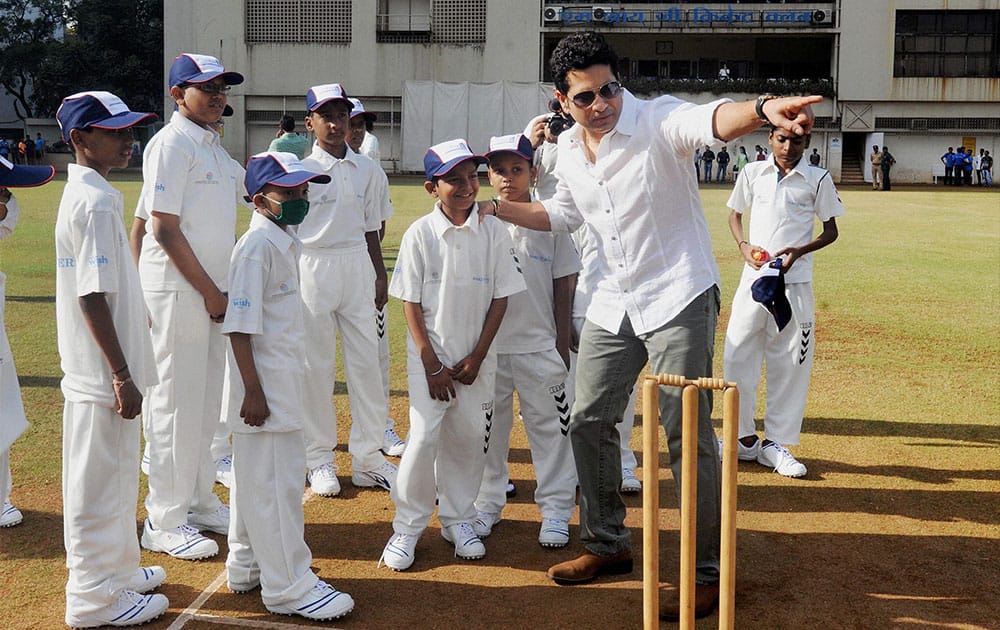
{"points": [[624, 169]]}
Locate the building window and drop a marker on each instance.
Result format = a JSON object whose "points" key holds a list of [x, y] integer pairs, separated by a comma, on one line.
{"points": [[298, 21], [438, 21], [947, 44], [403, 21]]}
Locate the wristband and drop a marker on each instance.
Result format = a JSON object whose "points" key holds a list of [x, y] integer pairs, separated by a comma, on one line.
{"points": [[120, 370], [741, 243], [117, 383], [759, 108], [439, 370]]}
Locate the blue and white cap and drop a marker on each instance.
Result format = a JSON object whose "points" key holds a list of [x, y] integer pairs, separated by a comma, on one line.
{"points": [[102, 110], [195, 68], [517, 144], [769, 290], [318, 95], [444, 156], [278, 169], [359, 110], [18, 176]]}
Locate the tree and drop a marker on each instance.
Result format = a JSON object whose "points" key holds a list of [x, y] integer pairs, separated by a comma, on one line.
{"points": [[113, 45], [27, 29]]}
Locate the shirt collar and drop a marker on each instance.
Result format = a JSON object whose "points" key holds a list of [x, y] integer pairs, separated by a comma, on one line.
{"points": [[628, 119], [799, 168], [274, 233], [441, 224], [189, 128], [87, 175], [327, 160]]}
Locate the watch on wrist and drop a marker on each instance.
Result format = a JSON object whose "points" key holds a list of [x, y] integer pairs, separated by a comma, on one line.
{"points": [[763, 98]]}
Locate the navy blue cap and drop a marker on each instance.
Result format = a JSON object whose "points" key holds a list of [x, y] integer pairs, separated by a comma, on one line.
{"points": [[278, 169], [194, 68], [358, 109], [102, 110], [318, 95], [517, 144], [769, 290], [444, 156], [18, 176]]}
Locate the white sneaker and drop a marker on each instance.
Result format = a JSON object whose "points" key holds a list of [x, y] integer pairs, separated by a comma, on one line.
{"points": [[392, 444], [399, 552], [382, 477], [468, 546], [183, 542], [776, 456], [323, 480], [146, 579], [743, 453], [224, 470], [131, 609], [485, 522], [321, 603], [144, 464], [554, 533], [10, 515], [250, 579], [217, 521], [630, 483]]}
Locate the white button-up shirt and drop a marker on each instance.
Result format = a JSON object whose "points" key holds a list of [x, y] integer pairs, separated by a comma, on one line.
{"points": [[640, 197], [264, 303], [187, 173], [454, 272], [342, 211]]}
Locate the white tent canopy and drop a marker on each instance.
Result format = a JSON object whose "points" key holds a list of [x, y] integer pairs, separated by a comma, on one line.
{"points": [[434, 112]]}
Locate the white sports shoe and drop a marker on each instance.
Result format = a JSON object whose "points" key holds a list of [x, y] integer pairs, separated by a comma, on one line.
{"points": [[321, 603], [10, 515], [217, 521], [131, 609], [224, 470], [554, 533], [146, 579], [382, 477], [485, 522], [183, 542], [743, 453], [630, 483], [399, 552], [468, 546], [776, 456], [323, 480], [392, 444]]}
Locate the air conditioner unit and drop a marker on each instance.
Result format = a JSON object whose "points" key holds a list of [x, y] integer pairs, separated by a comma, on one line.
{"points": [[819, 16], [600, 14], [552, 14]]}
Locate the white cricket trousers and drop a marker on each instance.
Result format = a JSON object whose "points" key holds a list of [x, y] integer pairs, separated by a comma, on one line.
{"points": [[100, 486], [752, 339], [338, 291], [184, 407], [540, 381], [445, 454], [628, 413], [6, 481], [266, 522]]}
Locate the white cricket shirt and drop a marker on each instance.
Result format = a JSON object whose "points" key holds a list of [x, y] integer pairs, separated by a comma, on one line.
{"points": [[342, 211]]}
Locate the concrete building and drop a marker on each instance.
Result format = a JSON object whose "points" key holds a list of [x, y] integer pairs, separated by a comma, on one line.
{"points": [[918, 75]]}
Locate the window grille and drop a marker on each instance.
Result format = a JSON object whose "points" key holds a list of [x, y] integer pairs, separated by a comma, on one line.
{"points": [[458, 21], [298, 21]]}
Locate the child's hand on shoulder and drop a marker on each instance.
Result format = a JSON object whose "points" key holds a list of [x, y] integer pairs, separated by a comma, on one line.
{"points": [[254, 409]]}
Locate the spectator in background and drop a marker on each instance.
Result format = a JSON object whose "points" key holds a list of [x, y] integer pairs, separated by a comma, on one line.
{"points": [[976, 166], [724, 73], [876, 159], [761, 154], [814, 158], [967, 167], [39, 148], [29, 150], [948, 159], [723, 159], [707, 157], [986, 166], [741, 161], [287, 141], [887, 163], [697, 164]]}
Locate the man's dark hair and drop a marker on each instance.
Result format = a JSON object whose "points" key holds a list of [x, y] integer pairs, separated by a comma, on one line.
{"points": [[579, 51], [287, 123]]}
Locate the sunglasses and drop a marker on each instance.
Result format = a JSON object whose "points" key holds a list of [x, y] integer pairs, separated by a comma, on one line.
{"points": [[209, 88], [609, 90]]}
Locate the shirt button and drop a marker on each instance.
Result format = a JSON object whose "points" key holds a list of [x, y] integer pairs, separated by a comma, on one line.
{"points": [[607, 212], [614, 238]]}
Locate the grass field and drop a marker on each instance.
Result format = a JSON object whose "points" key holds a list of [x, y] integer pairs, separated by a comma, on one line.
{"points": [[896, 525]]}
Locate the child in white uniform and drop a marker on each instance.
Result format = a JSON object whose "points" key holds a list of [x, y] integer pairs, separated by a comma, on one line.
{"points": [[107, 359], [267, 344], [454, 274], [12, 419], [343, 278], [785, 196], [532, 358], [184, 265]]}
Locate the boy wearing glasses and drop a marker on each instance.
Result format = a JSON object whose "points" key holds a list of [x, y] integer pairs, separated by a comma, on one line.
{"points": [[625, 170], [190, 188]]}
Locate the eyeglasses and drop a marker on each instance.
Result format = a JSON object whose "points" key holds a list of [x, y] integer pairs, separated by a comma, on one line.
{"points": [[609, 90], [209, 88]]}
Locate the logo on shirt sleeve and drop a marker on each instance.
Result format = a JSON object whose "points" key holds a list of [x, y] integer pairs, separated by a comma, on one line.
{"points": [[99, 261], [240, 303]]}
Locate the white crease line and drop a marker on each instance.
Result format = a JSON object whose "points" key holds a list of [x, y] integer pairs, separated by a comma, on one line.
{"points": [[191, 612], [251, 623]]}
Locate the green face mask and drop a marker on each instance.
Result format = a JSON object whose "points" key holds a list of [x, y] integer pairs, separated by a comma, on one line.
{"points": [[292, 212]]}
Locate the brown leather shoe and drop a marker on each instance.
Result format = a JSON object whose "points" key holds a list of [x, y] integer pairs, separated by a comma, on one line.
{"points": [[589, 566], [706, 597]]}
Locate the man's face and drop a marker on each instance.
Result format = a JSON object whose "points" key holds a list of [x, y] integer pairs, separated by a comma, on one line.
{"points": [[787, 147], [600, 116], [331, 123], [357, 134]]}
